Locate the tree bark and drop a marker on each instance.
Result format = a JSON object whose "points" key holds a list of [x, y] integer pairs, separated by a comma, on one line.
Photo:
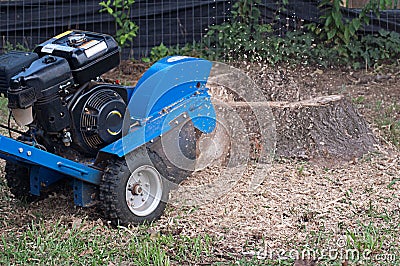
{"points": [[323, 127]]}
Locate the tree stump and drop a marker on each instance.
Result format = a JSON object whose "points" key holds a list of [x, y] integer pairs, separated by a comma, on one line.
{"points": [[323, 127]]}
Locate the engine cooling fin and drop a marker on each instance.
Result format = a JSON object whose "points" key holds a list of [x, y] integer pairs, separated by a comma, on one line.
{"points": [[102, 118]]}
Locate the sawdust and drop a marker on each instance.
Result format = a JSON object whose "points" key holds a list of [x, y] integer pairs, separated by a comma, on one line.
{"points": [[291, 203]]}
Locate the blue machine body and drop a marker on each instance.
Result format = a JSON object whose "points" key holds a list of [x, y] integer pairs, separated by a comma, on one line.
{"points": [[172, 87], [171, 92]]}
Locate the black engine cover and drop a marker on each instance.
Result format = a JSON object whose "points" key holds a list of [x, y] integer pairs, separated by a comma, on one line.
{"points": [[43, 79], [89, 54], [98, 116], [11, 64], [39, 86]]}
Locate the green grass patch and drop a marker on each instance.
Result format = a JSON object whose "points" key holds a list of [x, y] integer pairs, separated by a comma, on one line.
{"points": [[3, 109], [66, 244], [359, 100], [3, 105], [388, 121], [3, 112]]}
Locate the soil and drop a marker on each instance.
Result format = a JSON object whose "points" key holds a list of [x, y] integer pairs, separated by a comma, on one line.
{"points": [[294, 199]]}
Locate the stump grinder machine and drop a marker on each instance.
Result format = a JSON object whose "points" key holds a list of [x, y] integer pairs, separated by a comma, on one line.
{"points": [[105, 139]]}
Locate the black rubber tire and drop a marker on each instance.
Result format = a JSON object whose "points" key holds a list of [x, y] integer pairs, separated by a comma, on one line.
{"points": [[18, 180], [113, 188], [160, 156]]}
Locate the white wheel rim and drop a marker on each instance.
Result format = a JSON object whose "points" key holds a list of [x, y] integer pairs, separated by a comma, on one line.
{"points": [[144, 190]]}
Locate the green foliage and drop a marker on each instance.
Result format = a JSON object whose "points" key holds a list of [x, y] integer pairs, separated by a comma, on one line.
{"points": [[246, 37], [247, 12], [359, 100], [17, 47], [333, 42], [294, 48], [241, 38], [157, 53], [340, 34], [334, 27], [371, 49], [126, 29], [338, 30], [386, 4], [162, 51]]}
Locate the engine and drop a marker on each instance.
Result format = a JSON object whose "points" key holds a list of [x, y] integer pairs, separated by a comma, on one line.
{"points": [[54, 91]]}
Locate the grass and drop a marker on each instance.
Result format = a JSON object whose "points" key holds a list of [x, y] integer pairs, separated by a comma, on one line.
{"points": [[84, 242], [3, 104], [65, 244], [367, 244], [359, 100], [3, 109], [388, 121], [61, 244]]}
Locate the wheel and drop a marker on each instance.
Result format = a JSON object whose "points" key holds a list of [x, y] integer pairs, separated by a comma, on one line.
{"points": [[174, 154], [132, 190], [18, 180]]}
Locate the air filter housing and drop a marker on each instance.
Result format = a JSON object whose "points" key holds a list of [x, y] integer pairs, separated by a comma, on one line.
{"points": [[11, 64]]}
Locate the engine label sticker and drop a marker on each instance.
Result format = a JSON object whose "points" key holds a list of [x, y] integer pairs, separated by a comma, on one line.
{"points": [[49, 48], [100, 47], [89, 44], [64, 48]]}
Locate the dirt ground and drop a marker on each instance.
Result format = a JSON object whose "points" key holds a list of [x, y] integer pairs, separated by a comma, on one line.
{"points": [[298, 201]]}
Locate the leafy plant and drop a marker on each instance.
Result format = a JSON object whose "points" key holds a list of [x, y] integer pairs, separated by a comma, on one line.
{"points": [[373, 48], [241, 38], [17, 47], [161, 51], [247, 12], [341, 32], [157, 53], [359, 100], [126, 29], [246, 37], [334, 27]]}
